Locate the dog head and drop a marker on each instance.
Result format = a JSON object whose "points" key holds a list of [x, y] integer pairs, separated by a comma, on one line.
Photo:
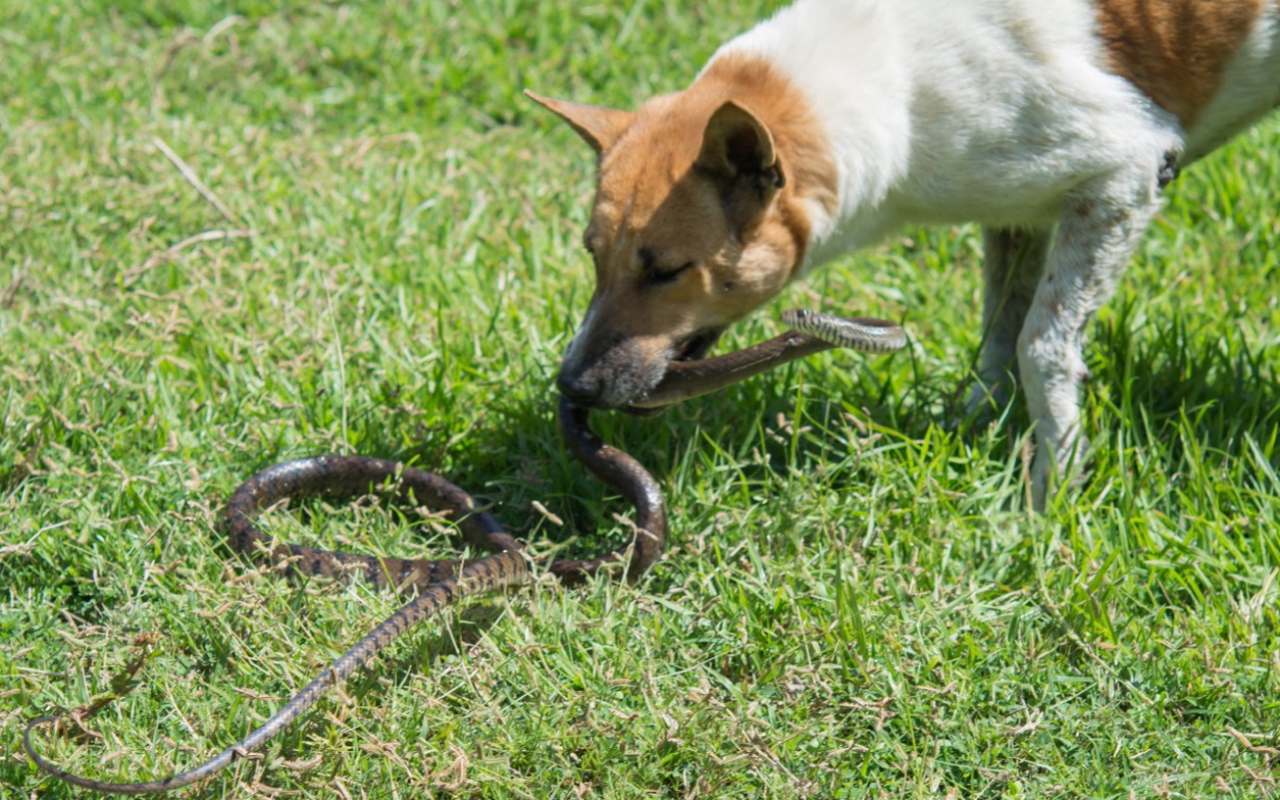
{"points": [[700, 216]]}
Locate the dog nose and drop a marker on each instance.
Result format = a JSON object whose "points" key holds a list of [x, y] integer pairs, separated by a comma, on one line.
{"points": [[582, 390]]}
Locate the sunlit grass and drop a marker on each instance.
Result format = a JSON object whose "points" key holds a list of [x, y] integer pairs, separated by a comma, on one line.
{"points": [[854, 602]]}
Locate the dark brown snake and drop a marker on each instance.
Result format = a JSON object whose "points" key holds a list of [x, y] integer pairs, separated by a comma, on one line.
{"points": [[442, 582]]}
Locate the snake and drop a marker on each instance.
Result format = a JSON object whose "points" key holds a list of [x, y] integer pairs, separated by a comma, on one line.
{"points": [[439, 582]]}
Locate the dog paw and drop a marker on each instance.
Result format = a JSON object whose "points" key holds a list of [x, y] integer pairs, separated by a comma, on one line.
{"points": [[1055, 468]]}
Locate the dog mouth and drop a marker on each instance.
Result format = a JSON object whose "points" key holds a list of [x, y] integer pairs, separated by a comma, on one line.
{"points": [[696, 346], [691, 348]]}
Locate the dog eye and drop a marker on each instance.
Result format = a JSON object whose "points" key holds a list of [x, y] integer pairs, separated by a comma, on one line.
{"points": [[657, 278]]}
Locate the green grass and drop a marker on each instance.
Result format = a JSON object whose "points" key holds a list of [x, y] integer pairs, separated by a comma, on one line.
{"points": [[854, 603]]}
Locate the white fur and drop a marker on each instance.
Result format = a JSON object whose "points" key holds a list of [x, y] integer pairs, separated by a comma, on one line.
{"points": [[1001, 112]]}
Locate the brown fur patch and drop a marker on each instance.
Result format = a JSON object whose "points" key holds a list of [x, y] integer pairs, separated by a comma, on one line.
{"points": [[1175, 51]]}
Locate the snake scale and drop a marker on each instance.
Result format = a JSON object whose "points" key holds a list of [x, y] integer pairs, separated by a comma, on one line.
{"points": [[440, 583]]}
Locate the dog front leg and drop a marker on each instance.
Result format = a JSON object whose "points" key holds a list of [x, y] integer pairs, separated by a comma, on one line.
{"points": [[1012, 262], [1096, 237]]}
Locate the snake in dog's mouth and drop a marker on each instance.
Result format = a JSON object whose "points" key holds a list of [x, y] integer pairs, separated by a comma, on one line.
{"points": [[440, 583]]}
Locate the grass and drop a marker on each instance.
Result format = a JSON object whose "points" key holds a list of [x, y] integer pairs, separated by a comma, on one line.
{"points": [[854, 603]]}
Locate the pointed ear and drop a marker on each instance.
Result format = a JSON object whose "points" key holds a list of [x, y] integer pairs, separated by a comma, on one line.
{"points": [[739, 155], [737, 145], [598, 126]]}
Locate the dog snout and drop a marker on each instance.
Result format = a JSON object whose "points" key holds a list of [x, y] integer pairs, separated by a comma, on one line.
{"points": [[582, 389], [607, 369]]}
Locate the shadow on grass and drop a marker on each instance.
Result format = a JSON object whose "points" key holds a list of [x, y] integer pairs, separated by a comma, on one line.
{"points": [[1216, 381], [515, 457]]}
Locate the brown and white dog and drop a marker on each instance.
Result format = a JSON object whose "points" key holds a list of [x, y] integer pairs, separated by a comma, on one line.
{"points": [[1052, 123]]}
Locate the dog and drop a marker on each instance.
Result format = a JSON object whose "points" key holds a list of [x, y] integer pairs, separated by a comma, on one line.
{"points": [[1054, 124]]}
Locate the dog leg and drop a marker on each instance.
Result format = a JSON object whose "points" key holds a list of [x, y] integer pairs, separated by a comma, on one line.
{"points": [[1013, 260], [1098, 232]]}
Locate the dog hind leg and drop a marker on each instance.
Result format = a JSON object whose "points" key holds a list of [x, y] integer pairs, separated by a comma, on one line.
{"points": [[1013, 259]]}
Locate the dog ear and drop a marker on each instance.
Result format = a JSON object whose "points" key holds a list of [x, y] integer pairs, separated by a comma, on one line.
{"points": [[738, 151], [598, 126], [736, 143]]}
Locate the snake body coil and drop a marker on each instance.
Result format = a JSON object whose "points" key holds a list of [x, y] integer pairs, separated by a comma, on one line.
{"points": [[442, 582], [439, 582]]}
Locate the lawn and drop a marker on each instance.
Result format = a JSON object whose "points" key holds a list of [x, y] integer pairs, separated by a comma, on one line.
{"points": [[855, 602]]}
